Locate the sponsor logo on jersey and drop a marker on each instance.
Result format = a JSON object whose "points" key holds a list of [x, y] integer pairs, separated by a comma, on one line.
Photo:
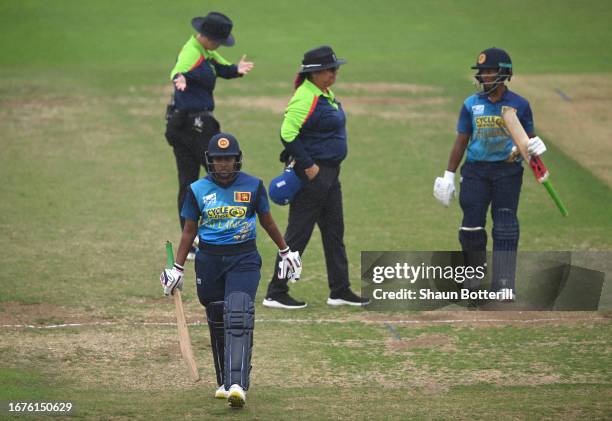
{"points": [[242, 196], [226, 212], [489, 122], [478, 109], [210, 199]]}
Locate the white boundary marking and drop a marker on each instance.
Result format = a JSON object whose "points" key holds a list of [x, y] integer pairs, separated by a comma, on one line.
{"points": [[307, 321]]}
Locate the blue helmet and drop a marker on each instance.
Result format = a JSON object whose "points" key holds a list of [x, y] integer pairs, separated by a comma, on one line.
{"points": [[223, 144], [493, 58], [284, 187]]}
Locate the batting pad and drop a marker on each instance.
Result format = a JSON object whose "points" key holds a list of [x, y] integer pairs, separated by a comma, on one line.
{"points": [[239, 321]]}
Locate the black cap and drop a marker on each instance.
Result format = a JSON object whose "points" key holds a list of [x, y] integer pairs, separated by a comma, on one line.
{"points": [[320, 58], [223, 144], [215, 26]]}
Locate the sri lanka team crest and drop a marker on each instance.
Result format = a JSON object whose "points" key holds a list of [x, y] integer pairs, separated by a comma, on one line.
{"points": [[242, 196], [223, 143]]}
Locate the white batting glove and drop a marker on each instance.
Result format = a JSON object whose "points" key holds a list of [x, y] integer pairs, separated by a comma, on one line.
{"points": [[444, 188], [290, 266], [172, 279], [536, 146]]}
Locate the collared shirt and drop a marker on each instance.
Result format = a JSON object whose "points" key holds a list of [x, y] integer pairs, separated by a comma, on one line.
{"points": [[226, 214], [201, 68], [482, 120], [314, 126]]}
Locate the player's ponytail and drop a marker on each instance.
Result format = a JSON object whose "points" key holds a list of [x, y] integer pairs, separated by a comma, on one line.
{"points": [[299, 79]]}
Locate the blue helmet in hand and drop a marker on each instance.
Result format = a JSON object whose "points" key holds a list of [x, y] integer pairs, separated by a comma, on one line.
{"points": [[284, 187]]}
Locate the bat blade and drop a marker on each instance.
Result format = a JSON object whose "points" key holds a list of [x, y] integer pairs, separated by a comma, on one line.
{"points": [[184, 339], [181, 323], [517, 132]]}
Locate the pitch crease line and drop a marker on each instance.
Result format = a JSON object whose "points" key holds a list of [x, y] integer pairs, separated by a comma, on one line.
{"points": [[305, 321]]}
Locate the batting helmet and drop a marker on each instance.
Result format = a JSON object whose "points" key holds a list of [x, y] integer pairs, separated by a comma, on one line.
{"points": [[494, 58], [223, 144], [284, 187]]}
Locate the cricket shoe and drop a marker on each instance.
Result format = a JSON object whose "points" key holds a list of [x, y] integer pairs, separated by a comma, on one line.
{"points": [[347, 297], [236, 396], [221, 393], [283, 300]]}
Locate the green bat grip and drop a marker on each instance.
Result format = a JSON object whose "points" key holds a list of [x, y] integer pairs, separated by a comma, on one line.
{"points": [[555, 197], [169, 255]]}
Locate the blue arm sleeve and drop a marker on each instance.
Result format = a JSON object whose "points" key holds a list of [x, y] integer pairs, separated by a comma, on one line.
{"points": [[262, 205], [226, 71], [464, 124], [190, 208]]}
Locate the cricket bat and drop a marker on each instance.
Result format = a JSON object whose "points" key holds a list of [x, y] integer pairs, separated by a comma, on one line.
{"points": [[520, 139], [181, 323]]}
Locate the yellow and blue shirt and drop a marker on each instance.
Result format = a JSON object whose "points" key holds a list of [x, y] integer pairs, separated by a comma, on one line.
{"points": [[482, 120], [227, 215]]}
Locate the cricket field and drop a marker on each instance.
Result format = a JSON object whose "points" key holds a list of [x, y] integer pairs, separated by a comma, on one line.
{"points": [[88, 200]]}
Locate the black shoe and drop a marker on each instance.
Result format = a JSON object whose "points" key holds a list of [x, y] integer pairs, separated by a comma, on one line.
{"points": [[283, 300], [347, 297]]}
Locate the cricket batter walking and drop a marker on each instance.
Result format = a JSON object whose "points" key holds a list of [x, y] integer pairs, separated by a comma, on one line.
{"points": [[492, 174], [226, 203]]}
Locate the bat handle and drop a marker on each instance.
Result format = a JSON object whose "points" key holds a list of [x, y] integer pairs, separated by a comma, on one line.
{"points": [[555, 197], [169, 255]]}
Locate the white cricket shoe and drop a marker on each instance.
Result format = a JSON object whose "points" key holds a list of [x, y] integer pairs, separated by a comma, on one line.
{"points": [[236, 396], [221, 393]]}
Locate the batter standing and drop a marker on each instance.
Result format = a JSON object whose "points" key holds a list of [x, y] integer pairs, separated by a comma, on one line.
{"points": [[492, 174]]}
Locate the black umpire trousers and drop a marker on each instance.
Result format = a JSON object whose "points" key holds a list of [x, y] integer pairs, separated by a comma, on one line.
{"points": [[189, 143], [319, 202]]}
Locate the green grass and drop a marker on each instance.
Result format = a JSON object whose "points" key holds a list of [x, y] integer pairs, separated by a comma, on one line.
{"points": [[88, 200]]}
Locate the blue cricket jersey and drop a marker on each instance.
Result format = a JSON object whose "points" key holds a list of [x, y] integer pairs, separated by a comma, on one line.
{"points": [[482, 120], [226, 215]]}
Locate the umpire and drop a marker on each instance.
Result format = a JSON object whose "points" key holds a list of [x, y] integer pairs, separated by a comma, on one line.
{"points": [[314, 135], [190, 120]]}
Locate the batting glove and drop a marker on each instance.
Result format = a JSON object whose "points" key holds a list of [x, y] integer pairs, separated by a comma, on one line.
{"points": [[444, 188], [536, 146], [290, 266], [172, 279]]}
